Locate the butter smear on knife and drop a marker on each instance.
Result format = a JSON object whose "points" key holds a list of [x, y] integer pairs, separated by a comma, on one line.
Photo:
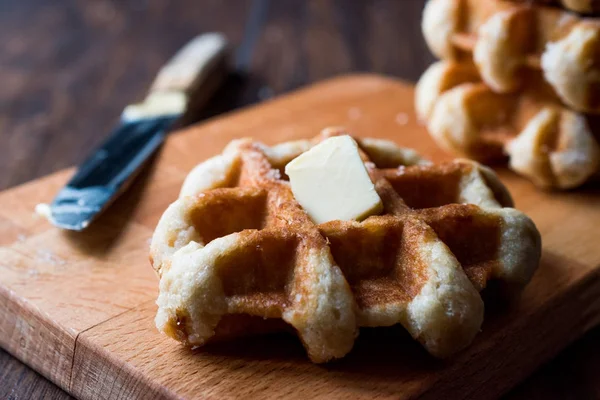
{"points": [[330, 182], [155, 105]]}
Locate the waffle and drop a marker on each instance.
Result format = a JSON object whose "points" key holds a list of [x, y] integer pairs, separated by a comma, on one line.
{"points": [[581, 6], [546, 142], [237, 255], [505, 39]]}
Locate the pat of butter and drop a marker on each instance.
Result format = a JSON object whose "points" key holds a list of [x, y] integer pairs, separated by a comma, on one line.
{"points": [[331, 182]]}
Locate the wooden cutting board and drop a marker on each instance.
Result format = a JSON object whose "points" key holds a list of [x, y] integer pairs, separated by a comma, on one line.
{"points": [[79, 307]]}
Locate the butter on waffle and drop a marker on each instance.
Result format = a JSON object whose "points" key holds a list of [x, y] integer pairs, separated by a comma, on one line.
{"points": [[550, 144], [581, 6], [504, 39], [236, 254]]}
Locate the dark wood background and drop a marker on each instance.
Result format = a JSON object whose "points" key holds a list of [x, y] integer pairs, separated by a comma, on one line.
{"points": [[69, 67]]}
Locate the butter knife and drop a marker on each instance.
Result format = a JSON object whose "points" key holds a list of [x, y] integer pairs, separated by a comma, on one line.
{"points": [[200, 66]]}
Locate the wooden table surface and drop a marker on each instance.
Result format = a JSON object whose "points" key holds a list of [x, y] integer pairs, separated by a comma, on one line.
{"points": [[68, 68]]}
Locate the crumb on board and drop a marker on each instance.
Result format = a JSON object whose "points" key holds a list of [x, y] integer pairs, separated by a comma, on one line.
{"points": [[354, 113], [402, 118], [49, 257], [43, 210]]}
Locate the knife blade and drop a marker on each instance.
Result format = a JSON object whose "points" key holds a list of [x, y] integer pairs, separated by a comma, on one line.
{"points": [[200, 66]]}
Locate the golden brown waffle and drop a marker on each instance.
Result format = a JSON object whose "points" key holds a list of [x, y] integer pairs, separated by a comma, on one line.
{"points": [[546, 142], [581, 6], [237, 254], [506, 39]]}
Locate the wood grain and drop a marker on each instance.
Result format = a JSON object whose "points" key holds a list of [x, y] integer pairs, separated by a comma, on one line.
{"points": [[69, 67], [85, 303]]}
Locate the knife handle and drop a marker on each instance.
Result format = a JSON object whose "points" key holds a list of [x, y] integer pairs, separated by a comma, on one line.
{"points": [[192, 64]]}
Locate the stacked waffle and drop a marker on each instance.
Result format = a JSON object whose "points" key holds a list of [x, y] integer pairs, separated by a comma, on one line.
{"points": [[237, 254], [519, 80]]}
